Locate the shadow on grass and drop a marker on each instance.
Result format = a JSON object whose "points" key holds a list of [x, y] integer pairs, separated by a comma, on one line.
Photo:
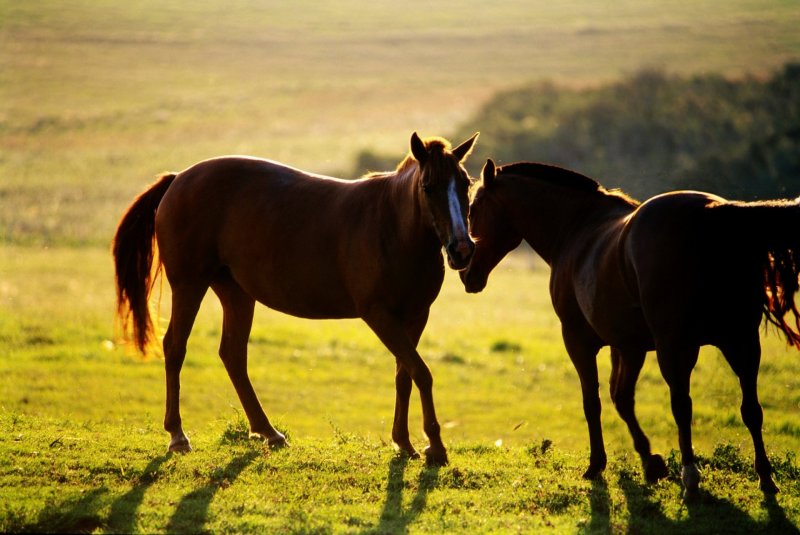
{"points": [[85, 514], [122, 515], [778, 522], [705, 514], [394, 518], [191, 513], [600, 504], [82, 515]]}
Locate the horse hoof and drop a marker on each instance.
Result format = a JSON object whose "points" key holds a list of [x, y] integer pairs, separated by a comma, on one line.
{"points": [[277, 442], [655, 468], [768, 486], [593, 473], [595, 470], [435, 457], [691, 495], [405, 448], [691, 480], [413, 454], [179, 445]]}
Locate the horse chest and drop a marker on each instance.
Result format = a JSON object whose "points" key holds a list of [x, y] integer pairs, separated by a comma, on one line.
{"points": [[412, 285]]}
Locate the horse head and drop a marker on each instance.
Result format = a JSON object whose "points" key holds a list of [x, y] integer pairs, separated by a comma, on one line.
{"points": [[491, 229], [444, 184]]}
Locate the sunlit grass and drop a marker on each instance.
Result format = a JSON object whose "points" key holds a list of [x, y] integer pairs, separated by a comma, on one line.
{"points": [[98, 97], [501, 372], [83, 444]]}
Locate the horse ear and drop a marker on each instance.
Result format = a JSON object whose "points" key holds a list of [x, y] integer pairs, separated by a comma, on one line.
{"points": [[418, 149], [463, 150], [488, 173]]}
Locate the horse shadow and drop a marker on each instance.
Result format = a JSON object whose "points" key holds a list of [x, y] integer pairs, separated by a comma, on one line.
{"points": [[86, 515], [83, 515], [647, 515], [394, 518], [600, 506], [191, 513], [122, 515]]}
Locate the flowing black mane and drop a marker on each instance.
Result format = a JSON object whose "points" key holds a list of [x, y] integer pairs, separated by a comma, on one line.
{"points": [[562, 177]]}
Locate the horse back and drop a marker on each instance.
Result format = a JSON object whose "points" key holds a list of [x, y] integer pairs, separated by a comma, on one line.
{"points": [[304, 244]]}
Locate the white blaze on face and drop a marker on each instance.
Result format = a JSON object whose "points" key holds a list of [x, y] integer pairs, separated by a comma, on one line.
{"points": [[459, 227]]}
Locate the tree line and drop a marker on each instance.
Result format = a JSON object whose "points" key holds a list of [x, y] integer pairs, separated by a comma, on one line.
{"points": [[650, 132]]}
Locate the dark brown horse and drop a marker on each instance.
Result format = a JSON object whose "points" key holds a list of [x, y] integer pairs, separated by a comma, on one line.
{"points": [[307, 245], [682, 270]]}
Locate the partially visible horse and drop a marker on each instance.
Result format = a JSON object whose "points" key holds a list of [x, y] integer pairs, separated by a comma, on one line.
{"points": [[304, 244], [681, 270]]}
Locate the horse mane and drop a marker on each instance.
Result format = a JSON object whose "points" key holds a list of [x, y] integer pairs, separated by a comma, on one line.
{"points": [[435, 145], [565, 178]]}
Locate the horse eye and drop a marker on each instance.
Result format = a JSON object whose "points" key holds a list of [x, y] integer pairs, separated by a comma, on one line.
{"points": [[426, 188]]}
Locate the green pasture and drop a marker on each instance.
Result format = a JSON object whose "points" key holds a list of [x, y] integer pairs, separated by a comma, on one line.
{"points": [[99, 96], [82, 449]]}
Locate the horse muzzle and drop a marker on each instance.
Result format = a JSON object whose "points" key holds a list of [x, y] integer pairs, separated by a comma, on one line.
{"points": [[459, 253], [472, 283]]}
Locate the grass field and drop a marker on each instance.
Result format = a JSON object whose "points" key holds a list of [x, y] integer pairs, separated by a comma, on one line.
{"points": [[82, 446], [97, 97]]}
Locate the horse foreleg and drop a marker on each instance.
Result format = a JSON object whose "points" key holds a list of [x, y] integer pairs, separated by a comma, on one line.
{"points": [[185, 304], [583, 353], [403, 382], [676, 364], [625, 369], [237, 320], [391, 332], [745, 360]]}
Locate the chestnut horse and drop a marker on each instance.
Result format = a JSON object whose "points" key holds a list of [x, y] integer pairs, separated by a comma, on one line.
{"points": [[304, 244], [681, 270]]}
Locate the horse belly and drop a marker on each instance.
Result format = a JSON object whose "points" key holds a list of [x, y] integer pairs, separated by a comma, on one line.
{"points": [[615, 318], [290, 284]]}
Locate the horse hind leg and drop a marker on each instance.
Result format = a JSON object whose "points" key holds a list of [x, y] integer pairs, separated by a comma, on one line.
{"points": [[745, 360], [238, 308], [625, 368], [400, 435], [185, 304], [676, 364]]}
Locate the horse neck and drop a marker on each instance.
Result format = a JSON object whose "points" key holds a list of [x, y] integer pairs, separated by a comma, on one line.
{"points": [[547, 216], [403, 203]]}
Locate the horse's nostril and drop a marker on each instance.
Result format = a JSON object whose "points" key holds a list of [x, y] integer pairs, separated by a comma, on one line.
{"points": [[460, 252], [465, 248]]}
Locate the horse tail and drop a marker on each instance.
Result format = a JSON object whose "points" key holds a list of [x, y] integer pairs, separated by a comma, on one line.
{"points": [[781, 271], [135, 250], [776, 224]]}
